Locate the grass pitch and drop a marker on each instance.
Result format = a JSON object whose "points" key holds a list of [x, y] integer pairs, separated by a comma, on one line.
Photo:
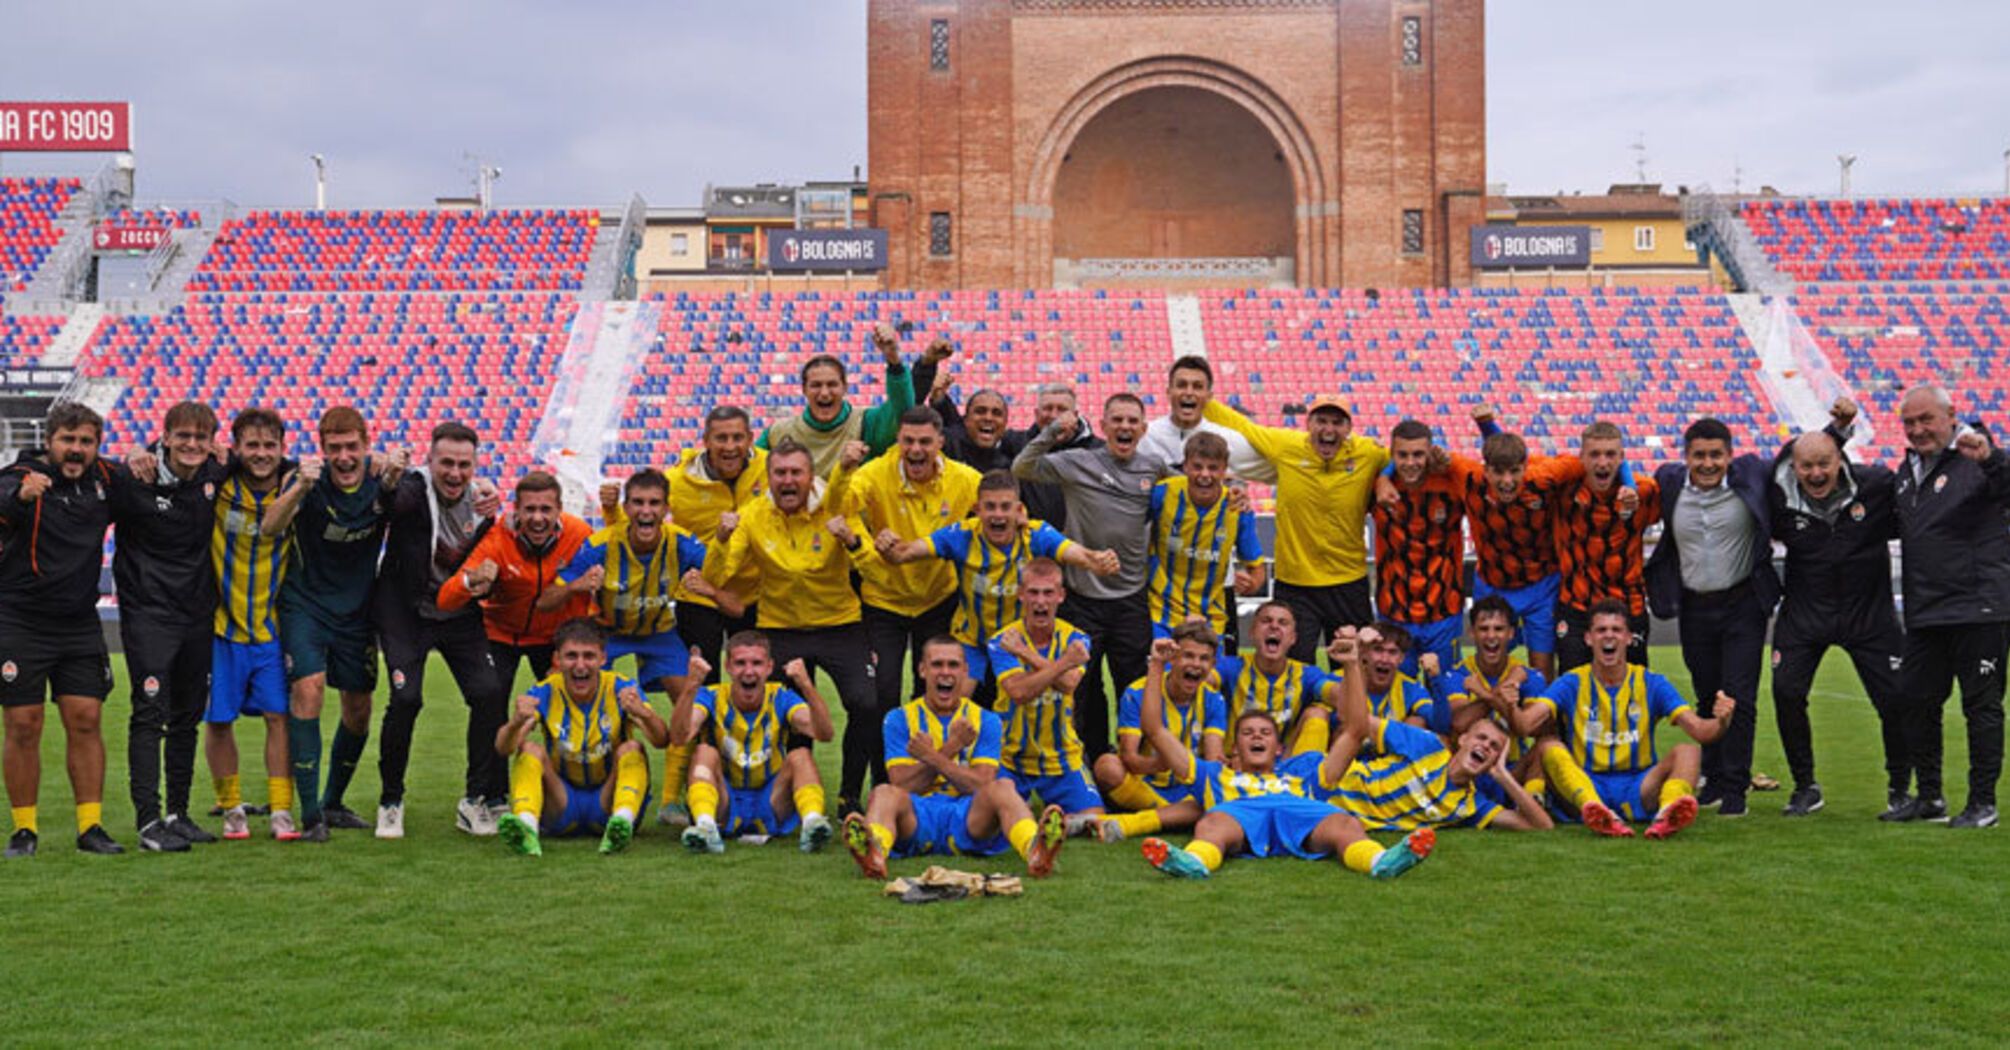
{"points": [[1831, 930]]}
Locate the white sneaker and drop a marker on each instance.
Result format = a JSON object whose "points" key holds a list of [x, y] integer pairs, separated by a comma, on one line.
{"points": [[235, 825], [283, 827], [472, 816], [391, 821], [497, 810]]}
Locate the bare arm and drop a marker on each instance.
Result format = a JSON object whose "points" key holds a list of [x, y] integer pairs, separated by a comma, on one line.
{"points": [[1707, 730], [813, 720], [510, 738], [654, 729], [1152, 713], [1527, 814], [279, 517], [686, 719], [1041, 675]]}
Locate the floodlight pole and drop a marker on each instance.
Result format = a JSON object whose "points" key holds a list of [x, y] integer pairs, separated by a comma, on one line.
{"points": [[320, 181], [1845, 161]]}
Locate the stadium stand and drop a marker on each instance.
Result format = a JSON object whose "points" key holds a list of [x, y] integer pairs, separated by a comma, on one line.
{"points": [[28, 210], [440, 251], [1884, 240], [22, 339]]}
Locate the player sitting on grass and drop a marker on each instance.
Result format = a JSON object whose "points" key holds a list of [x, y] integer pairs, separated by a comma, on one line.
{"points": [[1260, 805], [590, 774], [1400, 777], [1138, 779], [1490, 682], [769, 788], [1602, 762], [1270, 681], [1391, 693], [944, 794]]}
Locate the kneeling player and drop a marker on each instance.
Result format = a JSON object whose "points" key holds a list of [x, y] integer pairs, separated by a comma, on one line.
{"points": [[1260, 805], [1400, 777], [943, 793], [1138, 779], [769, 788], [1602, 762], [590, 774]]}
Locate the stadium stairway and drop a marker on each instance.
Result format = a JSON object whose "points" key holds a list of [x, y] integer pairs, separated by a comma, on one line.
{"points": [[78, 329], [595, 380]]}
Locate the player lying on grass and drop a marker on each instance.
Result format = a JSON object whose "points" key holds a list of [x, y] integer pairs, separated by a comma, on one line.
{"points": [[1263, 805], [1600, 756], [769, 788], [1400, 778], [1137, 778], [590, 774], [943, 793], [1489, 683]]}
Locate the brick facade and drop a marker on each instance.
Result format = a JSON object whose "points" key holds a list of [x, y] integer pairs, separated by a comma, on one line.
{"points": [[1366, 123]]}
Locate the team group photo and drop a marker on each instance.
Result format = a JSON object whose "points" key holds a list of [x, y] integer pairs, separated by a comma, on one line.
{"points": [[1165, 514]]}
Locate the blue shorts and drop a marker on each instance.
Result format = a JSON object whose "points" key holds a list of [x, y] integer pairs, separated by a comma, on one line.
{"points": [[1622, 793], [751, 811], [1276, 825], [657, 656], [942, 826], [1441, 637], [245, 676], [583, 813], [1535, 608], [346, 653], [1073, 791]]}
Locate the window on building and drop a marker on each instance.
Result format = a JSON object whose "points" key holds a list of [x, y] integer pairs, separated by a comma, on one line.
{"points": [[938, 45], [1597, 239], [1413, 41], [680, 244], [939, 241], [1413, 231], [1643, 238]]}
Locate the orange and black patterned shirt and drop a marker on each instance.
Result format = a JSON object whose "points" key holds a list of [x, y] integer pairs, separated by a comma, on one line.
{"points": [[1420, 548], [1515, 542], [1599, 551]]}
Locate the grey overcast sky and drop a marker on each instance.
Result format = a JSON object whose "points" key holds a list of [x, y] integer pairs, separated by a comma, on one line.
{"points": [[589, 102]]}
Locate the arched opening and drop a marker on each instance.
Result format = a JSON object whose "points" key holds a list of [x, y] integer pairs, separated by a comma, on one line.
{"points": [[1174, 172]]}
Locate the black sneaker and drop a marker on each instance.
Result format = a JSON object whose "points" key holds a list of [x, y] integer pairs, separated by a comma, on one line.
{"points": [[189, 831], [848, 806], [22, 844], [1932, 811], [250, 810], [1732, 807], [344, 818], [1975, 816], [1895, 803], [158, 837], [96, 840], [1805, 800], [1710, 797], [314, 832]]}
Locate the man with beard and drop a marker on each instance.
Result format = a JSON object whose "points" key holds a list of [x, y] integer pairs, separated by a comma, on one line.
{"points": [[1200, 539], [828, 423], [439, 513], [1325, 479], [1600, 753], [798, 547], [1420, 543], [337, 524], [55, 506], [744, 773], [165, 512], [1137, 779], [1600, 554], [943, 794], [1109, 494]]}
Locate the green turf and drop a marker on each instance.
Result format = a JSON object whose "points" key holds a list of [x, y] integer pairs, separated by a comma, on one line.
{"points": [[1832, 930]]}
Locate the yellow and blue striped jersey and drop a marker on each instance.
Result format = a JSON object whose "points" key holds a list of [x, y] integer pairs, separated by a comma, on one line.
{"points": [[1192, 551], [636, 595], [1219, 782], [1406, 784], [916, 716], [1405, 697], [752, 744], [1281, 696], [1612, 732], [1040, 735], [1192, 723], [1450, 688], [249, 566], [581, 738], [987, 578]]}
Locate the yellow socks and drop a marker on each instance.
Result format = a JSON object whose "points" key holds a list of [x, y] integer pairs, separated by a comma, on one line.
{"points": [[1567, 779], [1208, 852], [631, 782], [1021, 836], [1135, 795], [228, 794], [1361, 855], [1673, 788], [882, 835], [1316, 736], [1535, 787], [279, 792], [526, 788], [24, 819], [809, 799], [676, 763], [703, 796], [89, 815], [1136, 824]]}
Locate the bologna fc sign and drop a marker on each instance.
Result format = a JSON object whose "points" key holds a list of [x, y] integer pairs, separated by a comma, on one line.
{"points": [[66, 127], [1503, 247], [857, 250]]}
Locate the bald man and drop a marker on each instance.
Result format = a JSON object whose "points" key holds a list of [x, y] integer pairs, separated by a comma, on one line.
{"points": [[1836, 519], [1952, 494]]}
